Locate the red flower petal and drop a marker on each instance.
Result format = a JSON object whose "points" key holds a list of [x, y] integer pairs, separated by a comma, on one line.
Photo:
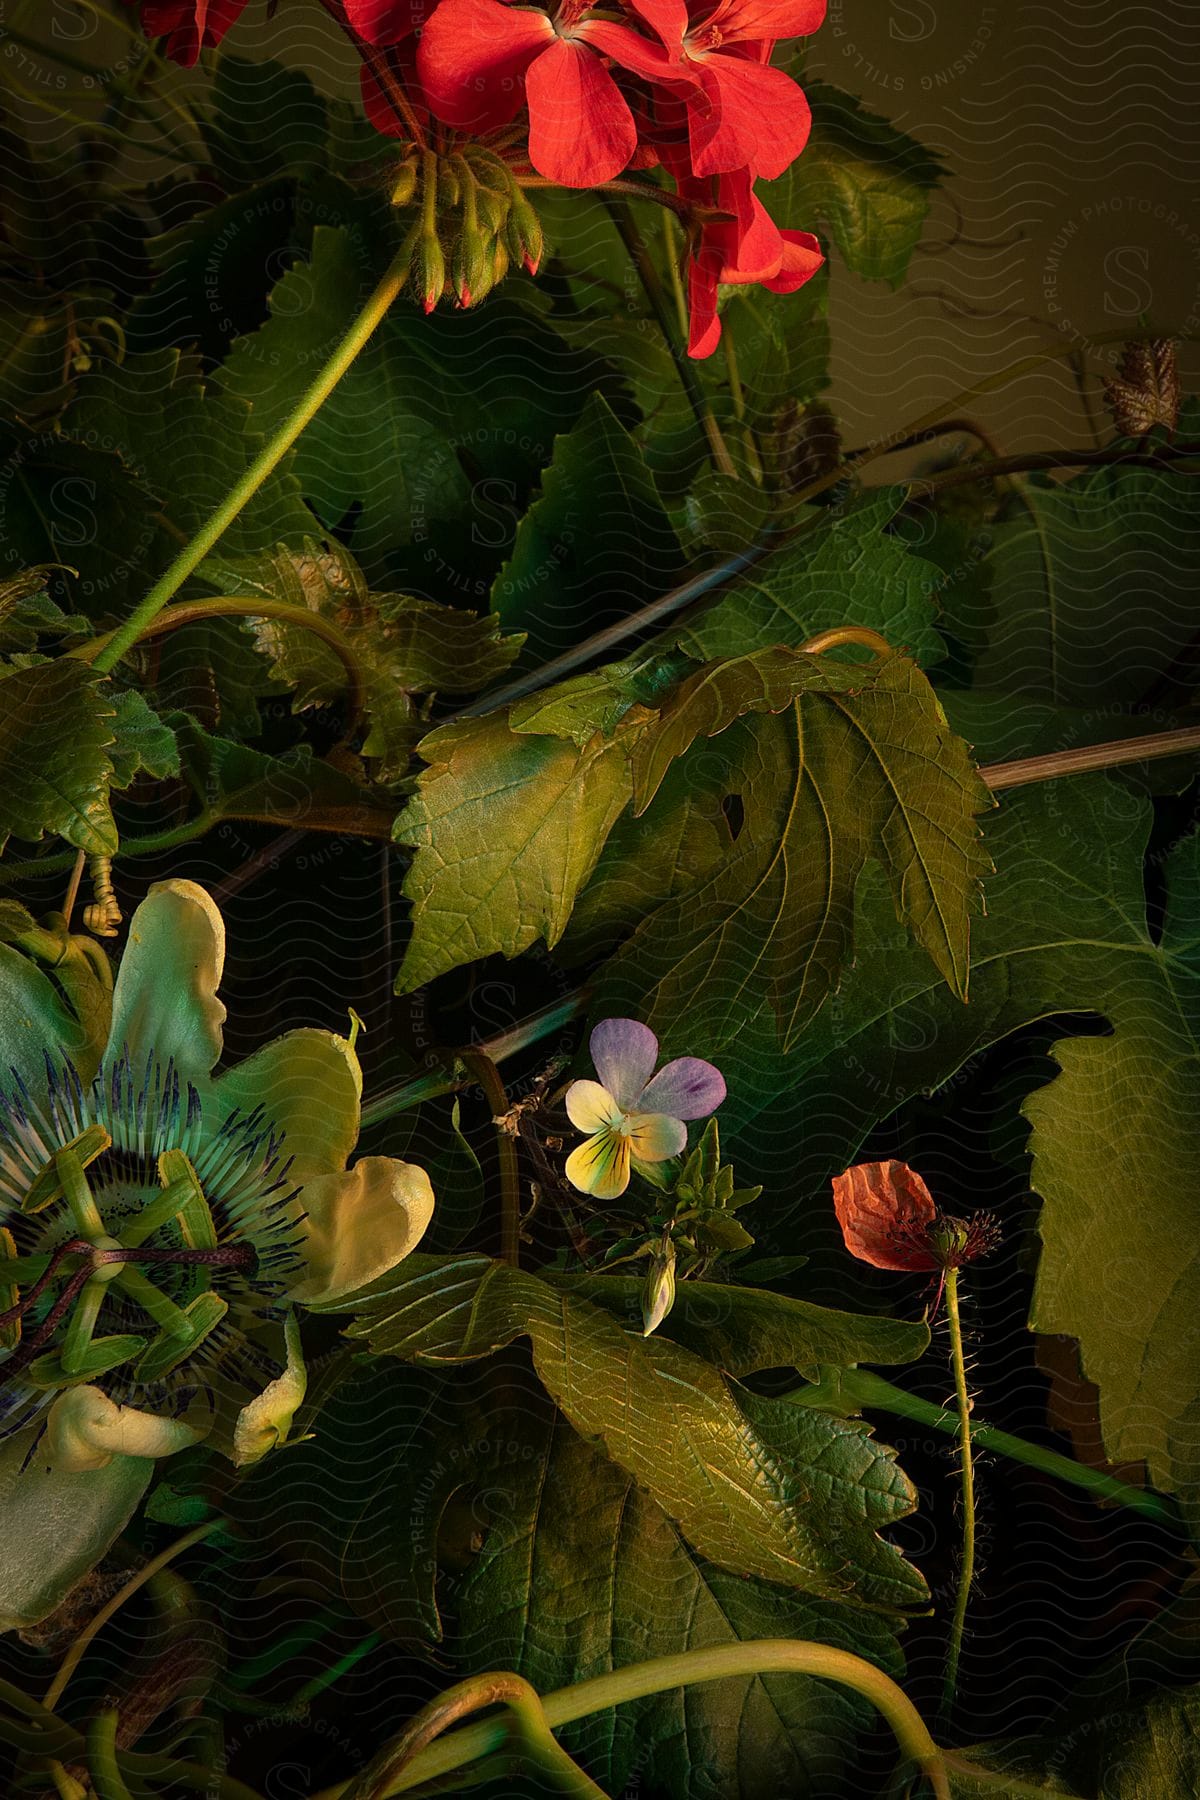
{"points": [[473, 56], [581, 132], [386, 21], [885, 1211], [802, 257], [630, 50], [757, 19], [667, 18], [753, 116], [189, 25]]}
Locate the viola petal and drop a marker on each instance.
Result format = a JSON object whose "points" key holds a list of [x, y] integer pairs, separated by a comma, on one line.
{"points": [[753, 117], [601, 1165], [624, 1053], [885, 1211], [473, 57], [688, 1088], [655, 1136], [581, 131], [591, 1107]]}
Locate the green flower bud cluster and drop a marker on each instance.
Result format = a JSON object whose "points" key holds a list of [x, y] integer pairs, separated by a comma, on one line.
{"points": [[472, 221]]}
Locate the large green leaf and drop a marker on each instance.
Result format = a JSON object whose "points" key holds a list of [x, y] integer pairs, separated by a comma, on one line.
{"points": [[861, 180], [56, 726], [755, 1485], [1093, 587], [1147, 1752], [836, 781], [595, 545], [438, 420], [843, 569], [232, 781], [506, 829], [188, 442], [580, 1573]]}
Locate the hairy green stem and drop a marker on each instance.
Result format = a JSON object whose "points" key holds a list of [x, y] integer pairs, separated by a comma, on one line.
{"points": [[966, 1572], [770, 1656], [852, 1390], [268, 458], [1162, 456]]}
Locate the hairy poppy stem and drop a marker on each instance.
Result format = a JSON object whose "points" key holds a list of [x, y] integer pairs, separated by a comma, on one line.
{"points": [[966, 1573]]}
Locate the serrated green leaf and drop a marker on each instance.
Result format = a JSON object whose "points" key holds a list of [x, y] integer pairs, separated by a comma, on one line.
{"points": [[265, 121], [737, 1473], [595, 545], [403, 647], [844, 570], [580, 1573], [709, 701], [143, 743], [838, 780], [861, 180], [56, 727], [506, 830]]}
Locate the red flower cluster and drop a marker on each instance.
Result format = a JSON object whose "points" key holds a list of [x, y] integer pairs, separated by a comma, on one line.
{"points": [[686, 85]]}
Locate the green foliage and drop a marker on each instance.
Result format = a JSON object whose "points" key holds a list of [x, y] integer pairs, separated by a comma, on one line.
{"points": [[842, 569], [580, 1572], [55, 733], [861, 180], [731, 1469], [840, 779], [595, 544], [234, 781], [506, 830]]}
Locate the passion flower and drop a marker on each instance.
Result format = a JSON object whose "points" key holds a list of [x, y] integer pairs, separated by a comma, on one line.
{"points": [[160, 1221]]}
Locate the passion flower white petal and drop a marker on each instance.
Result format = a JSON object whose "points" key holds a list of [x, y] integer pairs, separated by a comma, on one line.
{"points": [[359, 1225], [86, 1430]]}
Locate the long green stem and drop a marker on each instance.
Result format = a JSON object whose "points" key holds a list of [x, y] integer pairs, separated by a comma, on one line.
{"points": [[660, 304], [75, 1654], [528, 1723], [102, 1756], [268, 458], [853, 1390], [770, 1656], [966, 1572], [238, 606]]}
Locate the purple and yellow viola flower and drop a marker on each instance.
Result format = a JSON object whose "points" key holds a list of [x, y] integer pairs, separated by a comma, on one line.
{"points": [[631, 1115]]}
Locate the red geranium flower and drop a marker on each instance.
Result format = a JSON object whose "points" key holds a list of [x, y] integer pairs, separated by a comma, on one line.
{"points": [[747, 248], [481, 60], [386, 21], [741, 112], [189, 26]]}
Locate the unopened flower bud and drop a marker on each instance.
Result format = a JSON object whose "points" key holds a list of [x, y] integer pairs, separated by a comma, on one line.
{"points": [[658, 1291], [525, 236], [429, 268], [405, 185]]}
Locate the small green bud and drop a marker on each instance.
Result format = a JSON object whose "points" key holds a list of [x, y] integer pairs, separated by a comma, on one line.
{"points": [[658, 1290], [429, 271], [405, 185]]}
